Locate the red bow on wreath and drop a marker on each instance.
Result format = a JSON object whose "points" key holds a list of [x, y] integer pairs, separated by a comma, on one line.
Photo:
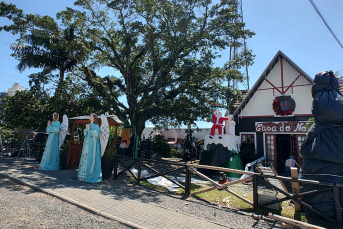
{"points": [[278, 111]]}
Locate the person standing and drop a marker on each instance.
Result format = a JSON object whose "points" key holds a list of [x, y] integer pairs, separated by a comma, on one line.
{"points": [[51, 156], [290, 163], [90, 163], [194, 154]]}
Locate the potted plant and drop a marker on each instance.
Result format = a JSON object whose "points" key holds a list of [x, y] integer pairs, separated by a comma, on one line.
{"points": [[64, 150], [161, 147], [107, 162]]}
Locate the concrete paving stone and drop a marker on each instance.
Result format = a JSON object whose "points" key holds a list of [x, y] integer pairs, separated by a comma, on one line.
{"points": [[133, 209]]}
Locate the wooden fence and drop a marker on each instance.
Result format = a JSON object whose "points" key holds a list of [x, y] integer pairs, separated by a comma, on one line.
{"points": [[254, 177]]}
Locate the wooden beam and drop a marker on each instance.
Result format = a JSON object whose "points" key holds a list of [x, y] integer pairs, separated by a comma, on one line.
{"points": [[158, 173], [296, 200], [220, 169], [127, 169], [281, 66], [292, 83], [188, 181], [255, 193], [225, 185], [300, 196], [221, 186], [163, 175], [154, 161], [295, 188], [274, 87], [293, 222]]}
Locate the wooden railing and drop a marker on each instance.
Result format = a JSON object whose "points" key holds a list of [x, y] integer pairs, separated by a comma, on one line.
{"points": [[254, 177]]}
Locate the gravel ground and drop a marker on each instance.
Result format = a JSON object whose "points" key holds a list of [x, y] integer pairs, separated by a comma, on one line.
{"points": [[122, 186], [23, 207]]}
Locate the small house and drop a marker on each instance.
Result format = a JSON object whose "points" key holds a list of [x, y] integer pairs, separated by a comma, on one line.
{"points": [[271, 118]]}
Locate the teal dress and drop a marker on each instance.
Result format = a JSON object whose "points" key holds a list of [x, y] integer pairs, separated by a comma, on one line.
{"points": [[90, 163], [51, 156]]}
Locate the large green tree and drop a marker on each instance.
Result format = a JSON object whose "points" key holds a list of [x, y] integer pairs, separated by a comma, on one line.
{"points": [[163, 52], [25, 111], [44, 44], [31, 109]]}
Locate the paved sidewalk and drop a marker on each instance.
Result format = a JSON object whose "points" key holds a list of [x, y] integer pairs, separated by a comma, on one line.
{"points": [[131, 212]]}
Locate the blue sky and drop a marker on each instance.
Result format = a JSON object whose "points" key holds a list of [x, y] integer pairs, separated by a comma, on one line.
{"points": [[291, 26]]}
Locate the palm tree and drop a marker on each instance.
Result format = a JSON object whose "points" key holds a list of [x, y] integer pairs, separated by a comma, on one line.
{"points": [[52, 49]]}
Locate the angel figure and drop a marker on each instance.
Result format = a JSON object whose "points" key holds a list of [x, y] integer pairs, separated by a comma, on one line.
{"points": [[94, 146], [57, 133]]}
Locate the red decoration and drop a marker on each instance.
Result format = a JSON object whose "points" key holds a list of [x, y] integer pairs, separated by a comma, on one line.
{"points": [[278, 111]]}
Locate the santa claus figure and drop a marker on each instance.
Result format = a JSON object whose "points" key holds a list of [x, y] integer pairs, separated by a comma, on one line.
{"points": [[217, 123]]}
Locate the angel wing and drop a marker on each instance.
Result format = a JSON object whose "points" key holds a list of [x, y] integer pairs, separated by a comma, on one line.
{"points": [[103, 134], [63, 131]]}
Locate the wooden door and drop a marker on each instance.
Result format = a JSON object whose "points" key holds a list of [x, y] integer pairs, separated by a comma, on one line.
{"points": [[271, 151], [293, 144]]}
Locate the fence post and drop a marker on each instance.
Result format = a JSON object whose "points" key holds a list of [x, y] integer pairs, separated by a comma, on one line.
{"points": [[338, 209], [255, 193], [139, 171], [115, 167], [188, 181], [295, 188]]}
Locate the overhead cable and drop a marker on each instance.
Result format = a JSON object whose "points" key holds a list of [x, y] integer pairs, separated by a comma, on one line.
{"points": [[325, 22]]}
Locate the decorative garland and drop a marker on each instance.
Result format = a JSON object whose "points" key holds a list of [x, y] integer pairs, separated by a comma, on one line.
{"points": [[277, 105]]}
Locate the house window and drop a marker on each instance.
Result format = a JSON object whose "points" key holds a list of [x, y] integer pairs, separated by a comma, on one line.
{"points": [[271, 149], [285, 105], [248, 138], [301, 139]]}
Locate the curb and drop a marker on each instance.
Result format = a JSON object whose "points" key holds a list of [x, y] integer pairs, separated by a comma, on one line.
{"points": [[76, 203]]}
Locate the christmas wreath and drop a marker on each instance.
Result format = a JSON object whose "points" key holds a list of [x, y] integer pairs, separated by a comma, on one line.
{"points": [[277, 105]]}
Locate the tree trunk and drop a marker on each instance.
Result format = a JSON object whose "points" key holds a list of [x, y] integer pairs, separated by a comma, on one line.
{"points": [[140, 125]]}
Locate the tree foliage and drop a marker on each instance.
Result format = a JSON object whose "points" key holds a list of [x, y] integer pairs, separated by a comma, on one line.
{"points": [[161, 51], [33, 108], [161, 146], [43, 44], [24, 111]]}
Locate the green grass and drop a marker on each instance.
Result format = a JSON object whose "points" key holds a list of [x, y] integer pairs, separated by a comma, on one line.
{"points": [[223, 198]]}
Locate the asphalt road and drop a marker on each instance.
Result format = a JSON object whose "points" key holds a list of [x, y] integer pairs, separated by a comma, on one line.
{"points": [[23, 207]]}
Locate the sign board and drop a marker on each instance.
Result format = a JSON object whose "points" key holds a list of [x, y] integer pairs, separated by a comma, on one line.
{"points": [[291, 127]]}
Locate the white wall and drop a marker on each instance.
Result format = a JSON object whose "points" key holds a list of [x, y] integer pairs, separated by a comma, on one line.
{"points": [[15, 87], [261, 102]]}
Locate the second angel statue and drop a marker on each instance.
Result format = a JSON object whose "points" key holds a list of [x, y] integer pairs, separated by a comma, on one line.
{"points": [[94, 145]]}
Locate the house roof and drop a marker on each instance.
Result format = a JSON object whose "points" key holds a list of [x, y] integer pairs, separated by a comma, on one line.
{"points": [[236, 101], [110, 118], [264, 74]]}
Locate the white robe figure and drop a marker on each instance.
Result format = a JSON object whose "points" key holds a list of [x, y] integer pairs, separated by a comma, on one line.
{"points": [[230, 126]]}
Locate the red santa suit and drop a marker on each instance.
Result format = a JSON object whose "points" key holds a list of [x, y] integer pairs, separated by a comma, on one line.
{"points": [[217, 123]]}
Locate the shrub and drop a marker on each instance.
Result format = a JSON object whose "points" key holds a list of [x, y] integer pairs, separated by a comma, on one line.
{"points": [[161, 146]]}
